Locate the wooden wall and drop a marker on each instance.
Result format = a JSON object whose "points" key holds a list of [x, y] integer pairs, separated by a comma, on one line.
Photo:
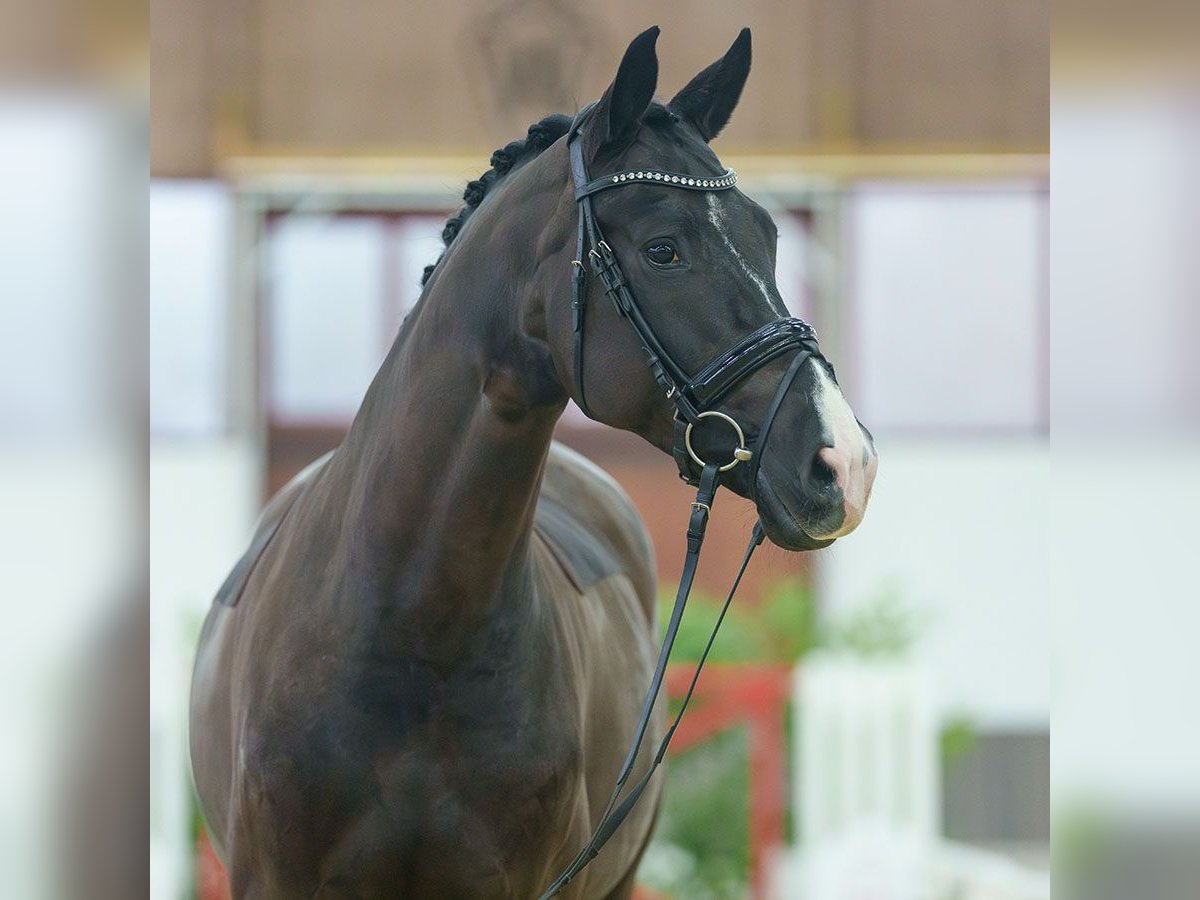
{"points": [[307, 77]]}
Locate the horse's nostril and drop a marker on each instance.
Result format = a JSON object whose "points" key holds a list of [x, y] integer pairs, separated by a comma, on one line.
{"points": [[827, 474], [821, 474]]}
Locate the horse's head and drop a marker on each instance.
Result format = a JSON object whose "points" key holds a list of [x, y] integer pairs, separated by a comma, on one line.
{"points": [[701, 265]]}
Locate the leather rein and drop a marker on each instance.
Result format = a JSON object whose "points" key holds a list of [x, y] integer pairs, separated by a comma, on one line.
{"points": [[695, 398]]}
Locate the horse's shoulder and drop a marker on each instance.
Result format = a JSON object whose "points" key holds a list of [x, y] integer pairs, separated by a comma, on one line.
{"points": [[264, 530], [572, 476], [586, 516]]}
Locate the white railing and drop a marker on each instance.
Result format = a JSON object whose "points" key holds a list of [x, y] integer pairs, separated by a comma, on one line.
{"points": [[866, 751], [867, 795]]}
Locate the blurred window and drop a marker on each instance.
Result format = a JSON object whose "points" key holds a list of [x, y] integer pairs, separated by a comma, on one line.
{"points": [[191, 234], [337, 287], [61, 249], [793, 263], [947, 307], [1125, 280]]}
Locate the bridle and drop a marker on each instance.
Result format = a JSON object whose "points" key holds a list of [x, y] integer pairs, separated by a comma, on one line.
{"points": [[695, 399]]}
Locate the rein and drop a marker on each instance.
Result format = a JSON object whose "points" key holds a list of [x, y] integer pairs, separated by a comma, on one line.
{"points": [[695, 398]]}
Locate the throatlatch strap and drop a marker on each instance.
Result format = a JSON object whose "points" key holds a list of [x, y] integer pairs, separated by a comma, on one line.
{"points": [[579, 314]]}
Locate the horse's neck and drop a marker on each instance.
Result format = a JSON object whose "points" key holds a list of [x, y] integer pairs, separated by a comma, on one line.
{"points": [[444, 460]]}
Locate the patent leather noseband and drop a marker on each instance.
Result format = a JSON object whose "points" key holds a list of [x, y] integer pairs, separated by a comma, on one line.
{"points": [[696, 398]]}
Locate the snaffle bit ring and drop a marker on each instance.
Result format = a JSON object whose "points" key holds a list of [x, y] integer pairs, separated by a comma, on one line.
{"points": [[740, 453]]}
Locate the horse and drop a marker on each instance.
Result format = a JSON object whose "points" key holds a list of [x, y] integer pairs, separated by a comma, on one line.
{"points": [[421, 678]]}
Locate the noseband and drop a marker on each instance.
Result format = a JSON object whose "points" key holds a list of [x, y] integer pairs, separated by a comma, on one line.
{"points": [[695, 399]]}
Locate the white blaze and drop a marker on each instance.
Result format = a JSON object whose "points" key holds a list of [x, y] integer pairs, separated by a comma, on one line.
{"points": [[718, 222], [851, 457]]}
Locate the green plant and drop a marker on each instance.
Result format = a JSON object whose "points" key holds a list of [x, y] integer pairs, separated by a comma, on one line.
{"points": [[781, 628], [701, 845], [882, 628], [958, 738]]}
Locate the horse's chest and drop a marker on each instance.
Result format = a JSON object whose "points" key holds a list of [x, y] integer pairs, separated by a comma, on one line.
{"points": [[466, 792], [500, 803], [505, 765]]}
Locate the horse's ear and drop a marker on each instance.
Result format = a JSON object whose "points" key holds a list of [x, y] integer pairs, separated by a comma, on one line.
{"points": [[708, 99], [621, 108]]}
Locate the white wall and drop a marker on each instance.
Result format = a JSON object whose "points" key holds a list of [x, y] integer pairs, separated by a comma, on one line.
{"points": [[68, 529], [1126, 624], [958, 529], [1126, 408], [945, 305], [944, 359], [190, 245], [204, 499]]}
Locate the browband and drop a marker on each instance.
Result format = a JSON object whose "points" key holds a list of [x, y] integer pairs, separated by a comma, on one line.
{"points": [[585, 188], [672, 179]]}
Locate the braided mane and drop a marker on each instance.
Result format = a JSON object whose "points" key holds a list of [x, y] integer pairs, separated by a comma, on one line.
{"points": [[541, 135]]}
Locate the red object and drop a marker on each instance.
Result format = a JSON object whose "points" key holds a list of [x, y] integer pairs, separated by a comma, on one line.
{"points": [[211, 881], [754, 695], [727, 696]]}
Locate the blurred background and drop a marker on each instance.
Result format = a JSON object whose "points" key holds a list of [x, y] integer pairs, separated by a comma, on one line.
{"points": [[879, 717], [877, 723]]}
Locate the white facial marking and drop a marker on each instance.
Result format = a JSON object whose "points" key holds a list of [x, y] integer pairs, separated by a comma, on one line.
{"points": [[714, 216], [834, 412], [851, 457]]}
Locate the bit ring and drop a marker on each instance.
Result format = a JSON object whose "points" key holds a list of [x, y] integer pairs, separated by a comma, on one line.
{"points": [[740, 453]]}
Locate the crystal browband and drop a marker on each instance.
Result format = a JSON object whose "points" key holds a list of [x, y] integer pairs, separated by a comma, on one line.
{"points": [[718, 183]]}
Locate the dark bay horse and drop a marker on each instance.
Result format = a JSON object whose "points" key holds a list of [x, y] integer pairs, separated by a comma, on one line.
{"points": [[421, 678]]}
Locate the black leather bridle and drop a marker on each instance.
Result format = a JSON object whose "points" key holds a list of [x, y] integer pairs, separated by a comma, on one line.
{"points": [[695, 398]]}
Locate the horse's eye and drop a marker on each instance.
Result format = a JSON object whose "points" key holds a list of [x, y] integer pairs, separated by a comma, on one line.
{"points": [[662, 253]]}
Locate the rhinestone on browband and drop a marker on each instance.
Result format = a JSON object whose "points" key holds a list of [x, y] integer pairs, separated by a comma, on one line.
{"points": [[729, 179]]}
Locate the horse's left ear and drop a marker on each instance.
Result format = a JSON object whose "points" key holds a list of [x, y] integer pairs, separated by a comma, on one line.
{"points": [[709, 98], [619, 111]]}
